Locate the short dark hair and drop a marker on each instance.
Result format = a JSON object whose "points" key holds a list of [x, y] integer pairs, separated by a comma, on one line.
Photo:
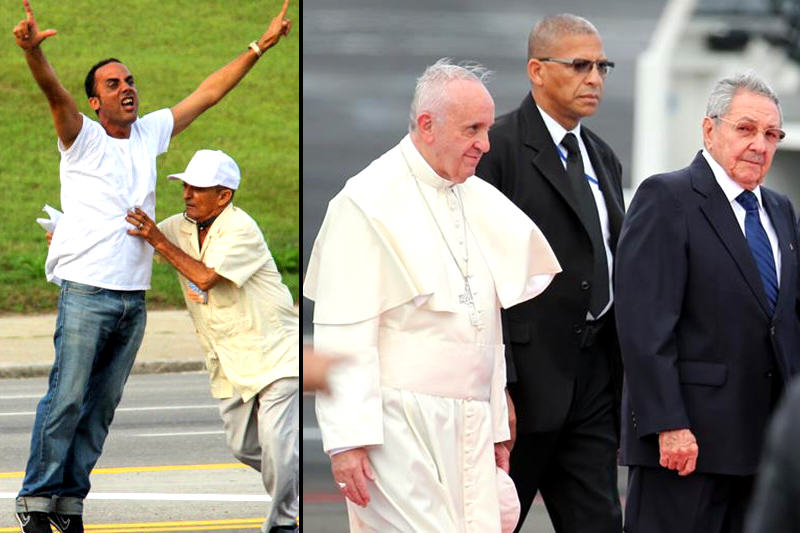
{"points": [[89, 82]]}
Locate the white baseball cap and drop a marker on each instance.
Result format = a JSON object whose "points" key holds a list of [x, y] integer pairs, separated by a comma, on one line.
{"points": [[209, 168]]}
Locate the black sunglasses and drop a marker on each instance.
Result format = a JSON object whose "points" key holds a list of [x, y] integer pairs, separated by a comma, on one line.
{"points": [[582, 66]]}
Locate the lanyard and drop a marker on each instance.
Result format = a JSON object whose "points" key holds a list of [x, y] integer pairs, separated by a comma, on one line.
{"points": [[587, 176]]}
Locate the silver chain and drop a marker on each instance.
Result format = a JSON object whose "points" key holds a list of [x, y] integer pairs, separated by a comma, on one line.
{"points": [[467, 298]]}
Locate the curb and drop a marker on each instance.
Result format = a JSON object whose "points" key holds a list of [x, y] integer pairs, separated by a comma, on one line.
{"points": [[144, 367]]}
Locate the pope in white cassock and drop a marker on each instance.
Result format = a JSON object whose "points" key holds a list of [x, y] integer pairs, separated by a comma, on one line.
{"points": [[409, 271]]}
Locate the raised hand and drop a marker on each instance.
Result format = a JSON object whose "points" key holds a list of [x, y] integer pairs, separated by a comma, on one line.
{"points": [[279, 27], [27, 33]]}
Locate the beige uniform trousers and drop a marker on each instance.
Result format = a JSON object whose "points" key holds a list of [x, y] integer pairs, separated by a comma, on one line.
{"points": [[264, 434]]}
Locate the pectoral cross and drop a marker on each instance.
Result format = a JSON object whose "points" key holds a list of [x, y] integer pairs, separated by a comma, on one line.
{"points": [[467, 299]]}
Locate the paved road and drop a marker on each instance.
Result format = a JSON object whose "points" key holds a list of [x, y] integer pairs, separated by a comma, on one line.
{"points": [[165, 467]]}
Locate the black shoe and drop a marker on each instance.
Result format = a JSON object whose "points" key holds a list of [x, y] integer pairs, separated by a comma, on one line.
{"points": [[33, 522], [66, 523]]}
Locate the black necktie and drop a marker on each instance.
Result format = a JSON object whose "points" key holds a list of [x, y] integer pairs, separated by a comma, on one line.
{"points": [[760, 247], [588, 212]]}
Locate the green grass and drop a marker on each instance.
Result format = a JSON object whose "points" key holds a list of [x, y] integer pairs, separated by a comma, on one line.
{"points": [[170, 47]]}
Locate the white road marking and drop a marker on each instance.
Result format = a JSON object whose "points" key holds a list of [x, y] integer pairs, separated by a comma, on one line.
{"points": [[165, 497], [180, 434], [21, 396], [131, 409]]}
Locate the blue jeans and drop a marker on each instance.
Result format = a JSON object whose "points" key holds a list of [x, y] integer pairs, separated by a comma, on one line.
{"points": [[98, 332]]}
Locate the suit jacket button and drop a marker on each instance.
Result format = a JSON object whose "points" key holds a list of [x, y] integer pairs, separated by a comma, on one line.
{"points": [[768, 374], [585, 285], [577, 328]]}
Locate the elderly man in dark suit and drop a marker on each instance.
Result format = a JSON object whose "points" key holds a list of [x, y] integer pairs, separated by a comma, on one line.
{"points": [[707, 293], [564, 370]]}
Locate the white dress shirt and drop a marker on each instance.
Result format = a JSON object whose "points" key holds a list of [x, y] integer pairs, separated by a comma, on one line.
{"points": [[732, 190], [557, 132]]}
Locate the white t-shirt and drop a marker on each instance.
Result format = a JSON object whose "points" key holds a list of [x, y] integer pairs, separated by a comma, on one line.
{"points": [[101, 179]]}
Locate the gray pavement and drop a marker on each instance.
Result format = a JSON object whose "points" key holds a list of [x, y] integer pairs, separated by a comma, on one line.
{"points": [[170, 344], [165, 465]]}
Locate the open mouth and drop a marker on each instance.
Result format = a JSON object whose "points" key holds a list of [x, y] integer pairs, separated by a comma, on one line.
{"points": [[127, 102]]}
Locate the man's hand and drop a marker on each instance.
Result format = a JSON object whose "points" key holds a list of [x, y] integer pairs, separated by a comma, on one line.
{"points": [[279, 27], [512, 422], [144, 227], [502, 456], [27, 33], [352, 469], [679, 450], [315, 370]]}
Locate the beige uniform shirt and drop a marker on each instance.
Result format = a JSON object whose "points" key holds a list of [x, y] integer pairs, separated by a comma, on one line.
{"points": [[249, 327]]}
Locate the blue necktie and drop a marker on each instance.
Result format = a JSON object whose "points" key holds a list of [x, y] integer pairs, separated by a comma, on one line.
{"points": [[759, 246]]}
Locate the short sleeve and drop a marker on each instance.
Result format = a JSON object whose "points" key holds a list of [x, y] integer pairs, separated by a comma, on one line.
{"points": [[237, 252], [157, 128], [88, 137]]}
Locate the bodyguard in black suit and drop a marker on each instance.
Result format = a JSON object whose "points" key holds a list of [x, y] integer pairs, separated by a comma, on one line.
{"points": [[707, 295], [563, 362]]}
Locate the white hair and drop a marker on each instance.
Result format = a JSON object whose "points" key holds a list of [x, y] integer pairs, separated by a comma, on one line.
{"points": [[431, 90], [719, 101]]}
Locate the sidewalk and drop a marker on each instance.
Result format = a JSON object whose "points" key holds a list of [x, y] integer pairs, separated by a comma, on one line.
{"points": [[170, 344]]}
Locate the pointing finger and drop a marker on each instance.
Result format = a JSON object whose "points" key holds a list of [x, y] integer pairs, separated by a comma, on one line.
{"points": [[283, 10], [28, 10]]}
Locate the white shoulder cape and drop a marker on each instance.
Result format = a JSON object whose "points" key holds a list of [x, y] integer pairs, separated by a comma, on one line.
{"points": [[374, 249]]}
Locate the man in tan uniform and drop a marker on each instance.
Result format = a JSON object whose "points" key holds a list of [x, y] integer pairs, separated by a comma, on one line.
{"points": [[246, 321]]}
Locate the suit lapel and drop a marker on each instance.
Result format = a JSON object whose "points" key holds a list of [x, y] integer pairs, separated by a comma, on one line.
{"points": [[544, 155], [613, 202], [784, 231], [719, 213]]}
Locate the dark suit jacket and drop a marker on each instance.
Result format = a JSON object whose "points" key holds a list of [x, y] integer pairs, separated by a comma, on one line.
{"points": [[699, 346], [543, 335]]}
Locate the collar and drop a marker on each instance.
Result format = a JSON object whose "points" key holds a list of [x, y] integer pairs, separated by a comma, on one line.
{"points": [[191, 227], [728, 186], [420, 168], [206, 223], [557, 131]]}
